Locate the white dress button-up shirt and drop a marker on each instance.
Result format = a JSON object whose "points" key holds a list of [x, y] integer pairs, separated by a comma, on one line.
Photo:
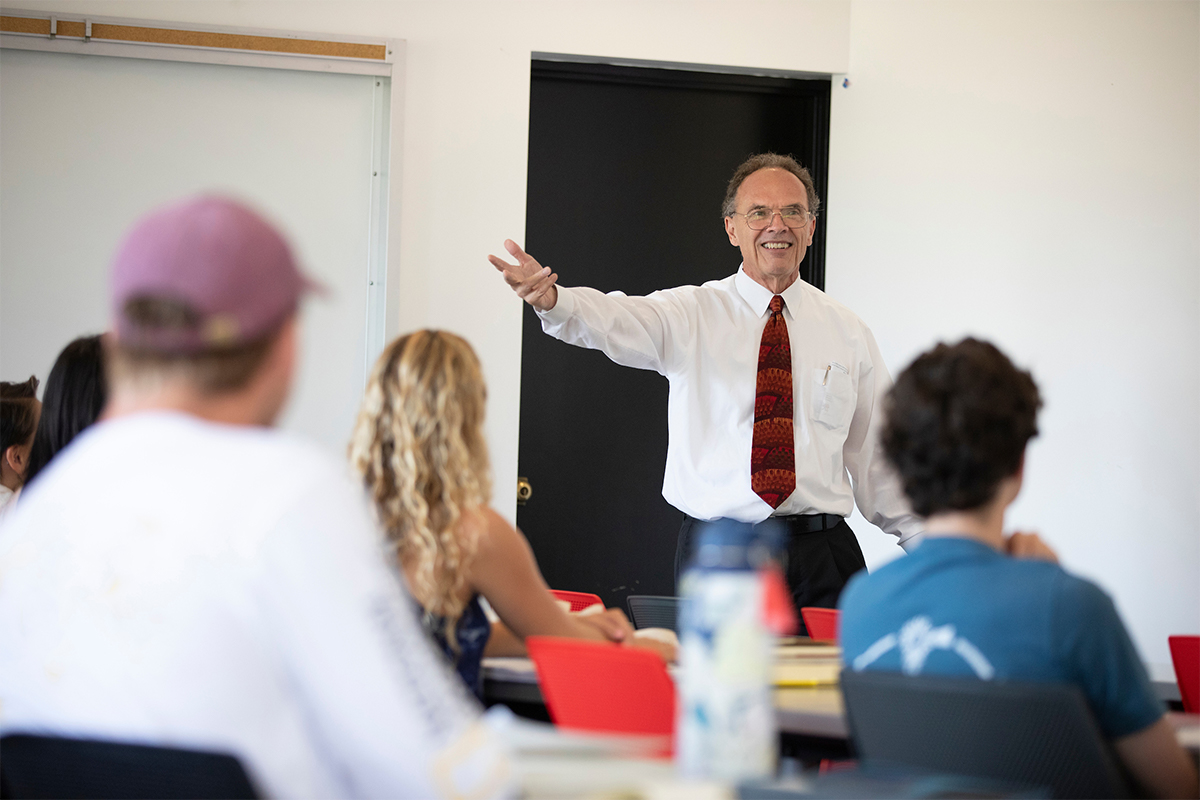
{"points": [[705, 341]]}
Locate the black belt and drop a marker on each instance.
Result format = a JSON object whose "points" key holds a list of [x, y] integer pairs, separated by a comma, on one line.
{"points": [[809, 523]]}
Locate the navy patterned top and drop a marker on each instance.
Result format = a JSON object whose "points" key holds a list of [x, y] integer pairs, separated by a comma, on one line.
{"points": [[472, 634]]}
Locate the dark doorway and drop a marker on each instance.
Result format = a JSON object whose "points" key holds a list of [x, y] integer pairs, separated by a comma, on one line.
{"points": [[627, 170]]}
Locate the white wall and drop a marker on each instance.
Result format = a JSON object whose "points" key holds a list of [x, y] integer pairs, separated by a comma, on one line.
{"points": [[1025, 171], [1030, 173]]}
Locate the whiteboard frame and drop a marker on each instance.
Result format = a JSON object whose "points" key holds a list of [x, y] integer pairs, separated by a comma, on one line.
{"points": [[383, 308], [205, 55]]}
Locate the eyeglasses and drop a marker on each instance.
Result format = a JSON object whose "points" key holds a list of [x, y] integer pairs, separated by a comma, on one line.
{"points": [[793, 216]]}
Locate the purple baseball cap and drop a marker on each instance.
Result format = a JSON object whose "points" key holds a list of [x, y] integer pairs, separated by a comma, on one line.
{"points": [[220, 259]]}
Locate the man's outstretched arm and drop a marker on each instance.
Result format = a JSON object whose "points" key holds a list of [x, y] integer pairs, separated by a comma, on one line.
{"points": [[532, 282], [632, 331]]}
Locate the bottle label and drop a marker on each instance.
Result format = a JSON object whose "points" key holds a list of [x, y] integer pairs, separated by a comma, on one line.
{"points": [[727, 725]]}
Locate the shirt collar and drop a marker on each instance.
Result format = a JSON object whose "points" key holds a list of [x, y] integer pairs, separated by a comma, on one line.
{"points": [[759, 296], [948, 546]]}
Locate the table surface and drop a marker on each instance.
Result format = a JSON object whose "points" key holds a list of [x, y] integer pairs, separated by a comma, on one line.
{"points": [[808, 711]]}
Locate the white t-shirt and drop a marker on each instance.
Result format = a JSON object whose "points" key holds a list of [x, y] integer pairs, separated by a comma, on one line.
{"points": [[178, 582]]}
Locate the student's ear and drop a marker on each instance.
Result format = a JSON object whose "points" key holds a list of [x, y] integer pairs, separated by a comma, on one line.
{"points": [[15, 457]]}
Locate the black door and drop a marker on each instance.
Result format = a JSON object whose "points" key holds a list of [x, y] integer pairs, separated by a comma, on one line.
{"points": [[627, 170]]}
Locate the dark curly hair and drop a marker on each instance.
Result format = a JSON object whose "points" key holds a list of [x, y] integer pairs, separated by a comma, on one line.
{"points": [[957, 422]]}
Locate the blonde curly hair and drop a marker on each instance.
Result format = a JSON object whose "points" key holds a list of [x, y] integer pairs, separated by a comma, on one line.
{"points": [[419, 446]]}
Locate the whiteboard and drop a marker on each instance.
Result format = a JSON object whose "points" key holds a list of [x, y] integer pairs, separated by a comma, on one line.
{"points": [[88, 144]]}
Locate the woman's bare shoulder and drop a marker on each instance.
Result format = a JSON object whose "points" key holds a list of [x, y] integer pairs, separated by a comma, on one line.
{"points": [[496, 534], [494, 518]]}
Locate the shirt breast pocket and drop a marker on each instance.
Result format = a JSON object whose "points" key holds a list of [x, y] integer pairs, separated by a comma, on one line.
{"points": [[833, 396]]}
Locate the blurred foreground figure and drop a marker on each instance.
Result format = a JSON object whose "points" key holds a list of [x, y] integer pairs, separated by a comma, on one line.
{"points": [[972, 601], [184, 575]]}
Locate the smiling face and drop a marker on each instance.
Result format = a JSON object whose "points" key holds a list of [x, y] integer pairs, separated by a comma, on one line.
{"points": [[771, 256]]}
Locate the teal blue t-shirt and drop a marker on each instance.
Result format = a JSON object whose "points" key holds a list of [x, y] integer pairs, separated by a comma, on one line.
{"points": [[955, 606]]}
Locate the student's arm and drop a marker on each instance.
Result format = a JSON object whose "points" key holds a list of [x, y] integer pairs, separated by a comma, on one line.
{"points": [[503, 642], [1157, 762], [504, 571], [1101, 659], [612, 624]]}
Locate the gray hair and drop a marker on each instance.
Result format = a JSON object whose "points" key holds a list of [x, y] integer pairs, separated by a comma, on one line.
{"points": [[768, 161]]}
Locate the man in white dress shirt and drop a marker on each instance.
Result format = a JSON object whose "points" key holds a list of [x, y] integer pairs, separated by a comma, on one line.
{"points": [[184, 575], [708, 341]]}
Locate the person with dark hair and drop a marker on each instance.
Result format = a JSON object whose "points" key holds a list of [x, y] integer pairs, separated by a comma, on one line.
{"points": [[75, 392], [774, 386], [19, 411], [185, 575], [971, 601]]}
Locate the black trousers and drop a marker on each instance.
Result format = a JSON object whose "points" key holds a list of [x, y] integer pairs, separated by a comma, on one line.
{"points": [[821, 555]]}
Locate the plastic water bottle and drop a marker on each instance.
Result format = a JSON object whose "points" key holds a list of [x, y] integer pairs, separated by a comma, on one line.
{"points": [[726, 727]]}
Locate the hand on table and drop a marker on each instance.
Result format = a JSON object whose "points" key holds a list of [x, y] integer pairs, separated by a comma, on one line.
{"points": [[532, 282], [1029, 545], [665, 650], [615, 626], [611, 622]]}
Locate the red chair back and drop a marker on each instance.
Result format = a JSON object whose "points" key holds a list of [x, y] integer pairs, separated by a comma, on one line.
{"points": [[597, 686], [578, 600], [822, 623], [1185, 652]]}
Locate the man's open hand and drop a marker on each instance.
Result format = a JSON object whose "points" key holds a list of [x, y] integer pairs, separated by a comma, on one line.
{"points": [[532, 282]]}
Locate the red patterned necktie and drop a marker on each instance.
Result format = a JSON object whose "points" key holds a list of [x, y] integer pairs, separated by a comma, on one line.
{"points": [[773, 450]]}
